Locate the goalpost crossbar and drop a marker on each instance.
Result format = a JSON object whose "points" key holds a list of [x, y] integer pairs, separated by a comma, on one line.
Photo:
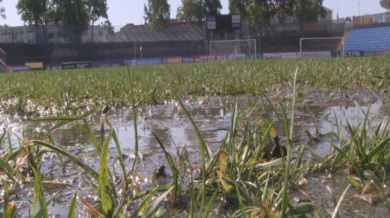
{"points": [[320, 38], [233, 46]]}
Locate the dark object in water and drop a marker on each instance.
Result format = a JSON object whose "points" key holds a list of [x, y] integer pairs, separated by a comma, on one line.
{"points": [[105, 109], [161, 172], [277, 150]]}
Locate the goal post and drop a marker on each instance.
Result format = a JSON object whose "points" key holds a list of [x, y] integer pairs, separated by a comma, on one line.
{"points": [[237, 46], [320, 38]]}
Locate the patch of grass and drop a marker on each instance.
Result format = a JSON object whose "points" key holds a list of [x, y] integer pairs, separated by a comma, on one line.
{"points": [[67, 92], [245, 170]]}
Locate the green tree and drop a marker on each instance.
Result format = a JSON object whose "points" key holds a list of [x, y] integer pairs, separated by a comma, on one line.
{"points": [[264, 10], [108, 25], [2, 11], [96, 9], [213, 6], [309, 10], [72, 16], [284, 9], [157, 12], [197, 10], [37, 13], [240, 7], [254, 11], [191, 10]]}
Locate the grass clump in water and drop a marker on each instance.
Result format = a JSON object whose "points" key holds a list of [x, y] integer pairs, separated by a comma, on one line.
{"points": [[243, 171]]}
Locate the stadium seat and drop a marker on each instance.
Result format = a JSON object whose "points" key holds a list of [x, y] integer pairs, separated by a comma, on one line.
{"points": [[368, 39]]}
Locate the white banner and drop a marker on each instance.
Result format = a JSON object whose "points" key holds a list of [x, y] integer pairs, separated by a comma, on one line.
{"points": [[236, 56], [315, 54], [280, 55]]}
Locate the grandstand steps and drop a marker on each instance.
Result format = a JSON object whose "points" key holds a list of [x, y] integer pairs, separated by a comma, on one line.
{"points": [[345, 36]]}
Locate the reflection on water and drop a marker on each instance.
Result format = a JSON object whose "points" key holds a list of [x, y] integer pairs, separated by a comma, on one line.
{"points": [[170, 124]]}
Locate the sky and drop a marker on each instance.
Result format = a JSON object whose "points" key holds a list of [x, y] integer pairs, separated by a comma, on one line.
{"points": [[121, 12]]}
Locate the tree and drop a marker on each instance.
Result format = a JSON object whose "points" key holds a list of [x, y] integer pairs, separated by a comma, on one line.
{"points": [[285, 9], [197, 10], [107, 24], [96, 9], [239, 6], [253, 11], [2, 11], [72, 16], [309, 10], [157, 12], [213, 6], [191, 10], [264, 10], [37, 13]]}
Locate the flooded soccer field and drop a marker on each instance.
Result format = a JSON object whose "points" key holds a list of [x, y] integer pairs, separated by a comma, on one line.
{"points": [[214, 127]]}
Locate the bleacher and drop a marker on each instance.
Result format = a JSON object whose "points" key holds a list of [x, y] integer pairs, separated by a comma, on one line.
{"points": [[176, 32], [368, 39]]}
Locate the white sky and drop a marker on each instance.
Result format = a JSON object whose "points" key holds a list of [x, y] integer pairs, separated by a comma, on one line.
{"points": [[121, 12]]}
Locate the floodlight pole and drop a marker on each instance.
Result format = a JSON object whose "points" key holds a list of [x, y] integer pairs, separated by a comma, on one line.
{"points": [[359, 8], [315, 38]]}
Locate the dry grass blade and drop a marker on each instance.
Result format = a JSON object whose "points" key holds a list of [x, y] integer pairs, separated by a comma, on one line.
{"points": [[226, 186], [20, 159], [91, 208], [10, 210], [268, 211]]}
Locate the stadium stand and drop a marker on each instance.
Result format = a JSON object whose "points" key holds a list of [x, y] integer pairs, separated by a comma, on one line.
{"points": [[173, 32], [368, 39]]}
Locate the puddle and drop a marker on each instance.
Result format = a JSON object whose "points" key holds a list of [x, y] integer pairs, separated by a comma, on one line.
{"points": [[170, 124]]}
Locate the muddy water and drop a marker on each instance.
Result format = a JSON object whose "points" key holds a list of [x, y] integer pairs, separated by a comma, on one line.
{"points": [[170, 124]]}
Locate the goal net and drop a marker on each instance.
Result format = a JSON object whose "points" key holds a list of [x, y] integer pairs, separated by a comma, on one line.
{"points": [[227, 47]]}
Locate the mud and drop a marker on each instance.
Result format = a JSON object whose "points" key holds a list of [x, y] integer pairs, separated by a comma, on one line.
{"points": [[212, 115]]}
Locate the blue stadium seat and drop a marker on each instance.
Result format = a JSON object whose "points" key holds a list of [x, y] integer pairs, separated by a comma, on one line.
{"points": [[368, 39]]}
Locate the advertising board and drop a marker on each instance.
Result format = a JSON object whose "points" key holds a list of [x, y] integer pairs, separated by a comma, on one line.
{"points": [[316, 54], [369, 53], [109, 63], [74, 65], [253, 56], [381, 53], [188, 59], [204, 58], [17, 68], [174, 59], [335, 54], [236, 21], [353, 54], [310, 26], [145, 61], [34, 65], [280, 55], [236, 56], [221, 57], [55, 66], [211, 22]]}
